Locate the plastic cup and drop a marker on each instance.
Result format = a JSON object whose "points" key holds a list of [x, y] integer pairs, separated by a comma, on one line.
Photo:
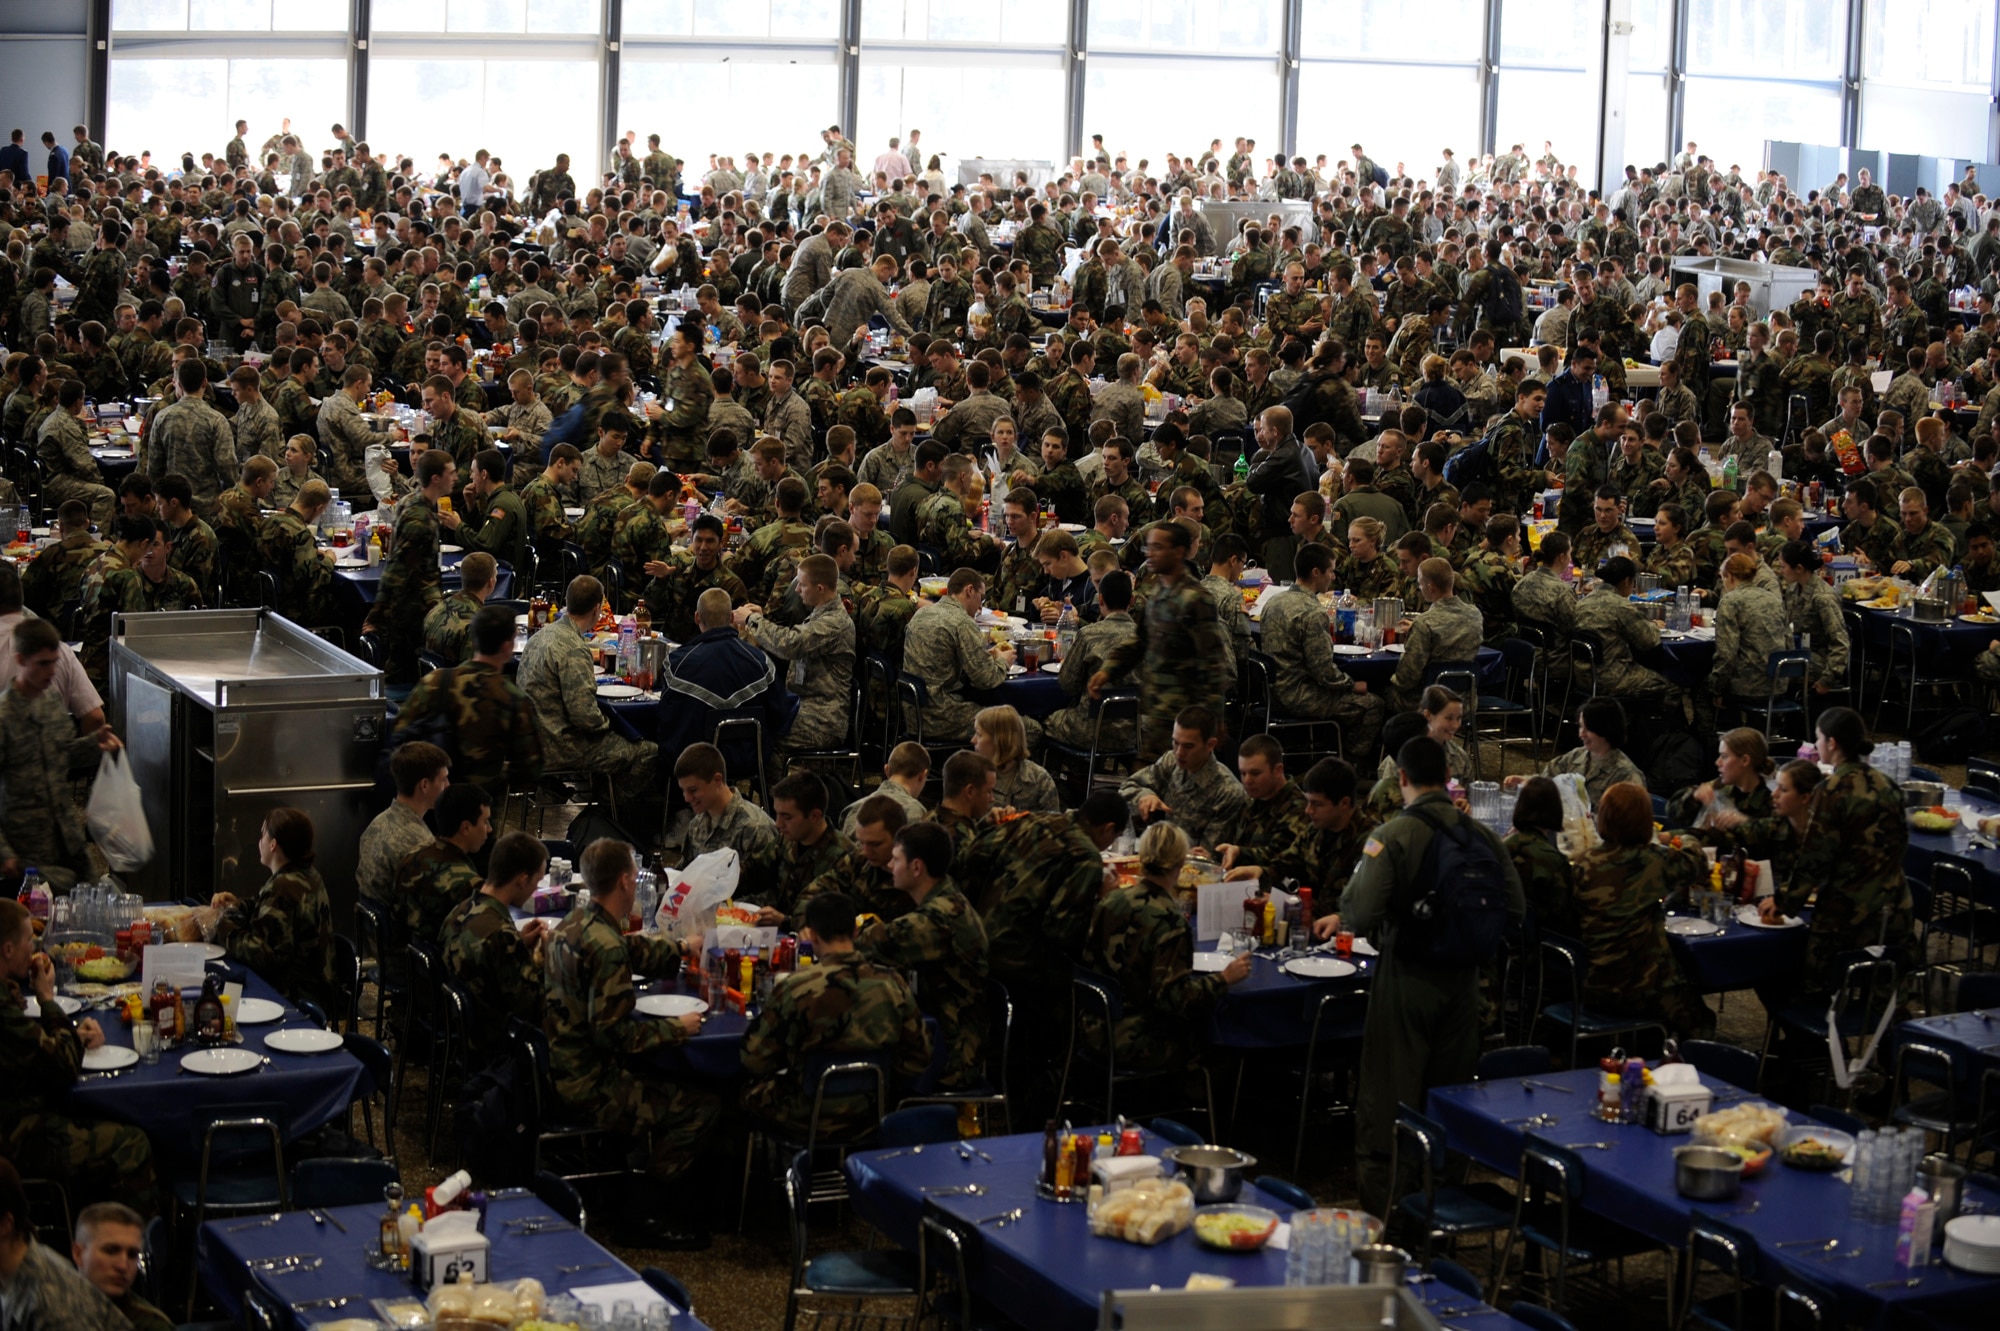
{"points": [[145, 1041]]}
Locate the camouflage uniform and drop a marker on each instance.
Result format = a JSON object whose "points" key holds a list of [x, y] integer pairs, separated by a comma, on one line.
{"points": [[1545, 600], [1308, 681], [942, 944], [560, 682], [548, 524], [1272, 834], [193, 551], [1930, 549], [798, 866], [670, 599], [772, 553], [1810, 374], [943, 525], [128, 591], [1749, 625], [843, 1006], [430, 883], [1635, 482], [54, 577], [821, 656], [1674, 564], [1035, 879], [63, 445], [285, 934], [1063, 486], [1487, 580], [286, 546], [1140, 938], [448, 626], [1855, 316], [346, 437], [1619, 914], [1852, 853], [1814, 611], [409, 588], [640, 540], [103, 279], [194, 439], [1069, 395], [1204, 803], [1449, 632], [1326, 859], [1622, 632], [498, 525], [595, 1042], [40, 1058], [1599, 774], [491, 731], [1877, 543], [944, 649], [1236, 636], [1179, 656], [258, 433]]}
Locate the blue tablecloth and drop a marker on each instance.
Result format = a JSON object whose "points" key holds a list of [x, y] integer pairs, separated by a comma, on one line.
{"points": [[1925, 848], [1633, 1184], [361, 584], [1742, 956], [307, 1090], [1948, 647], [717, 1053], [1035, 694], [1971, 1038], [1273, 1009], [1048, 1271], [223, 1253], [1687, 662], [114, 465]]}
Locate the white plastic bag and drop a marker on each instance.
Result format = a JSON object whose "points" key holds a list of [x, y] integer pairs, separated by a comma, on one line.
{"points": [[692, 894], [115, 817]]}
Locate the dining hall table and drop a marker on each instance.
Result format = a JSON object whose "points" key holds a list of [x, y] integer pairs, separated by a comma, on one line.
{"points": [[362, 582], [1629, 1179]]}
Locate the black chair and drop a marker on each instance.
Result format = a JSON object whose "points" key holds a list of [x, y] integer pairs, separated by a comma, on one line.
{"points": [[667, 1287], [370, 932], [1291, 1194], [877, 1275], [1321, 1044], [560, 1196], [48, 1202], [578, 1147], [1732, 1252], [1947, 1111], [380, 1065], [1549, 1217], [347, 981], [1916, 672], [1785, 675], [1256, 684], [1449, 1211], [1867, 985], [1112, 709], [1726, 1062], [1562, 962], [1950, 903], [1983, 776], [1099, 996], [1517, 1060], [240, 1169], [1176, 1132], [991, 1088], [329, 1181]]}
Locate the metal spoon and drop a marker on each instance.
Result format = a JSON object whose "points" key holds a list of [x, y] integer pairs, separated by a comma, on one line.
{"points": [[1002, 1219], [1828, 1244], [901, 1150], [958, 1190], [1911, 1283], [585, 1266]]}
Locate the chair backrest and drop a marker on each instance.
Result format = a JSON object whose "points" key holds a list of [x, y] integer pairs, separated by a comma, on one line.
{"points": [[260, 1311], [1427, 1135], [153, 1258], [49, 1203], [1534, 1315], [1176, 1132], [1866, 984], [1515, 1060], [1729, 1247], [919, 1125], [1453, 1276], [668, 1287], [1736, 1066], [368, 929], [1982, 775], [1286, 1191], [1552, 1167], [340, 1182], [1978, 990], [1788, 665], [1517, 658], [237, 1137], [313, 1012], [1927, 1061], [347, 979], [1851, 1124], [560, 1196], [1092, 991]]}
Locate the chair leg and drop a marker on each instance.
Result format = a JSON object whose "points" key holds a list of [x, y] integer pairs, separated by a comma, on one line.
{"points": [[743, 1211]]}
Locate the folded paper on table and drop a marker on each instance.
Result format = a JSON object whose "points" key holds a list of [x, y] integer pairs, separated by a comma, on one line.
{"points": [[643, 1297], [181, 965], [745, 936], [1218, 909]]}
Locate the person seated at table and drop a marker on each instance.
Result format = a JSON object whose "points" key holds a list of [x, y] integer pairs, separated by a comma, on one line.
{"points": [[39, 1289], [421, 772], [447, 628], [1775, 835], [809, 846], [1812, 609], [1740, 538], [598, 1051], [1742, 764], [1307, 681], [1673, 558], [946, 650], [40, 1058], [1140, 938], [285, 932], [1019, 782], [1623, 631], [1447, 633], [54, 578], [1544, 871], [109, 1242], [560, 679], [903, 779], [1600, 541], [1366, 570], [1869, 533], [300, 455], [1187, 784], [498, 965], [139, 580], [941, 944], [1443, 713], [1617, 913], [1545, 597], [1268, 835], [844, 1007], [1851, 853], [1921, 546], [439, 875], [723, 819], [715, 671], [1749, 626], [819, 656], [1599, 757], [289, 545]]}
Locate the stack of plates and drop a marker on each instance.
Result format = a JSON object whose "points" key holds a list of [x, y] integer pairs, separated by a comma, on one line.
{"points": [[1972, 1243]]}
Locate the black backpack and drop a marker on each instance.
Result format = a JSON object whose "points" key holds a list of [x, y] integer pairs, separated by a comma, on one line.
{"points": [[494, 1121], [1475, 462], [1503, 306], [1461, 915]]}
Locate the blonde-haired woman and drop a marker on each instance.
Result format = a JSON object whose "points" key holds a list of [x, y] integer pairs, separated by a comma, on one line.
{"points": [[1367, 571], [1019, 782], [1750, 624], [1140, 938], [1742, 765]]}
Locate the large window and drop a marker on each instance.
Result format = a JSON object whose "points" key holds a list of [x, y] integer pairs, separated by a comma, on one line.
{"points": [[1016, 23], [792, 20], [1647, 93], [1731, 118], [1768, 39], [488, 16], [1927, 67], [1148, 108], [229, 15], [659, 96], [522, 111], [1436, 108], [1441, 32], [1186, 25], [966, 110], [1551, 62], [170, 106]]}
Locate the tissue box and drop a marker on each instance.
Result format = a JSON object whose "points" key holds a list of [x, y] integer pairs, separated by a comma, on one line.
{"points": [[1674, 1107], [549, 901], [1122, 1171], [440, 1254]]}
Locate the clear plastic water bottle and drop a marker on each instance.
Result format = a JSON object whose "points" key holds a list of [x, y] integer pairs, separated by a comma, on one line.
{"points": [[1599, 394], [1066, 628], [628, 647]]}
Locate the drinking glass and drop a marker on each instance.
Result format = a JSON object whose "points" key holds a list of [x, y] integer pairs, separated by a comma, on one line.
{"points": [[1486, 801]]}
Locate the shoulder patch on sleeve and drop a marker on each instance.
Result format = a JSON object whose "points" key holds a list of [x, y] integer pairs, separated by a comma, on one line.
{"points": [[1372, 847]]}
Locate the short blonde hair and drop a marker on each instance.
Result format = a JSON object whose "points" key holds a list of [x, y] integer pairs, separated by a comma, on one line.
{"points": [[1162, 849], [1372, 528], [1003, 726]]}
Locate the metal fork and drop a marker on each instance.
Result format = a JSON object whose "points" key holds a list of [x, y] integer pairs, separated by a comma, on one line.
{"points": [[1529, 1084], [957, 1190], [584, 1266]]}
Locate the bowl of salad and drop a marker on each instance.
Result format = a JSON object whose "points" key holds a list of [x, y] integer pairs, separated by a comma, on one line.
{"points": [[1234, 1227]]}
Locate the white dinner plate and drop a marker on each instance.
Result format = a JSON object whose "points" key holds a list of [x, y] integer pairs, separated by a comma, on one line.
{"points": [[993, 619], [1207, 963], [258, 1011], [1017, 670], [72, 1006], [303, 1040], [115, 454], [229, 1061], [572, 513], [213, 951], [1690, 926], [620, 692], [106, 1057], [671, 1005], [1748, 915], [451, 549], [1051, 667], [1394, 648], [1071, 527], [1349, 649], [1319, 968]]}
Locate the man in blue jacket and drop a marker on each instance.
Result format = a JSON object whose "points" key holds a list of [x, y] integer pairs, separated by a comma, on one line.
{"points": [[58, 156], [14, 158], [720, 672]]}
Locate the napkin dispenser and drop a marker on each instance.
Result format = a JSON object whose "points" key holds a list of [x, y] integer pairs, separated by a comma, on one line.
{"points": [[1122, 1171], [448, 1247], [549, 901], [1675, 1099]]}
